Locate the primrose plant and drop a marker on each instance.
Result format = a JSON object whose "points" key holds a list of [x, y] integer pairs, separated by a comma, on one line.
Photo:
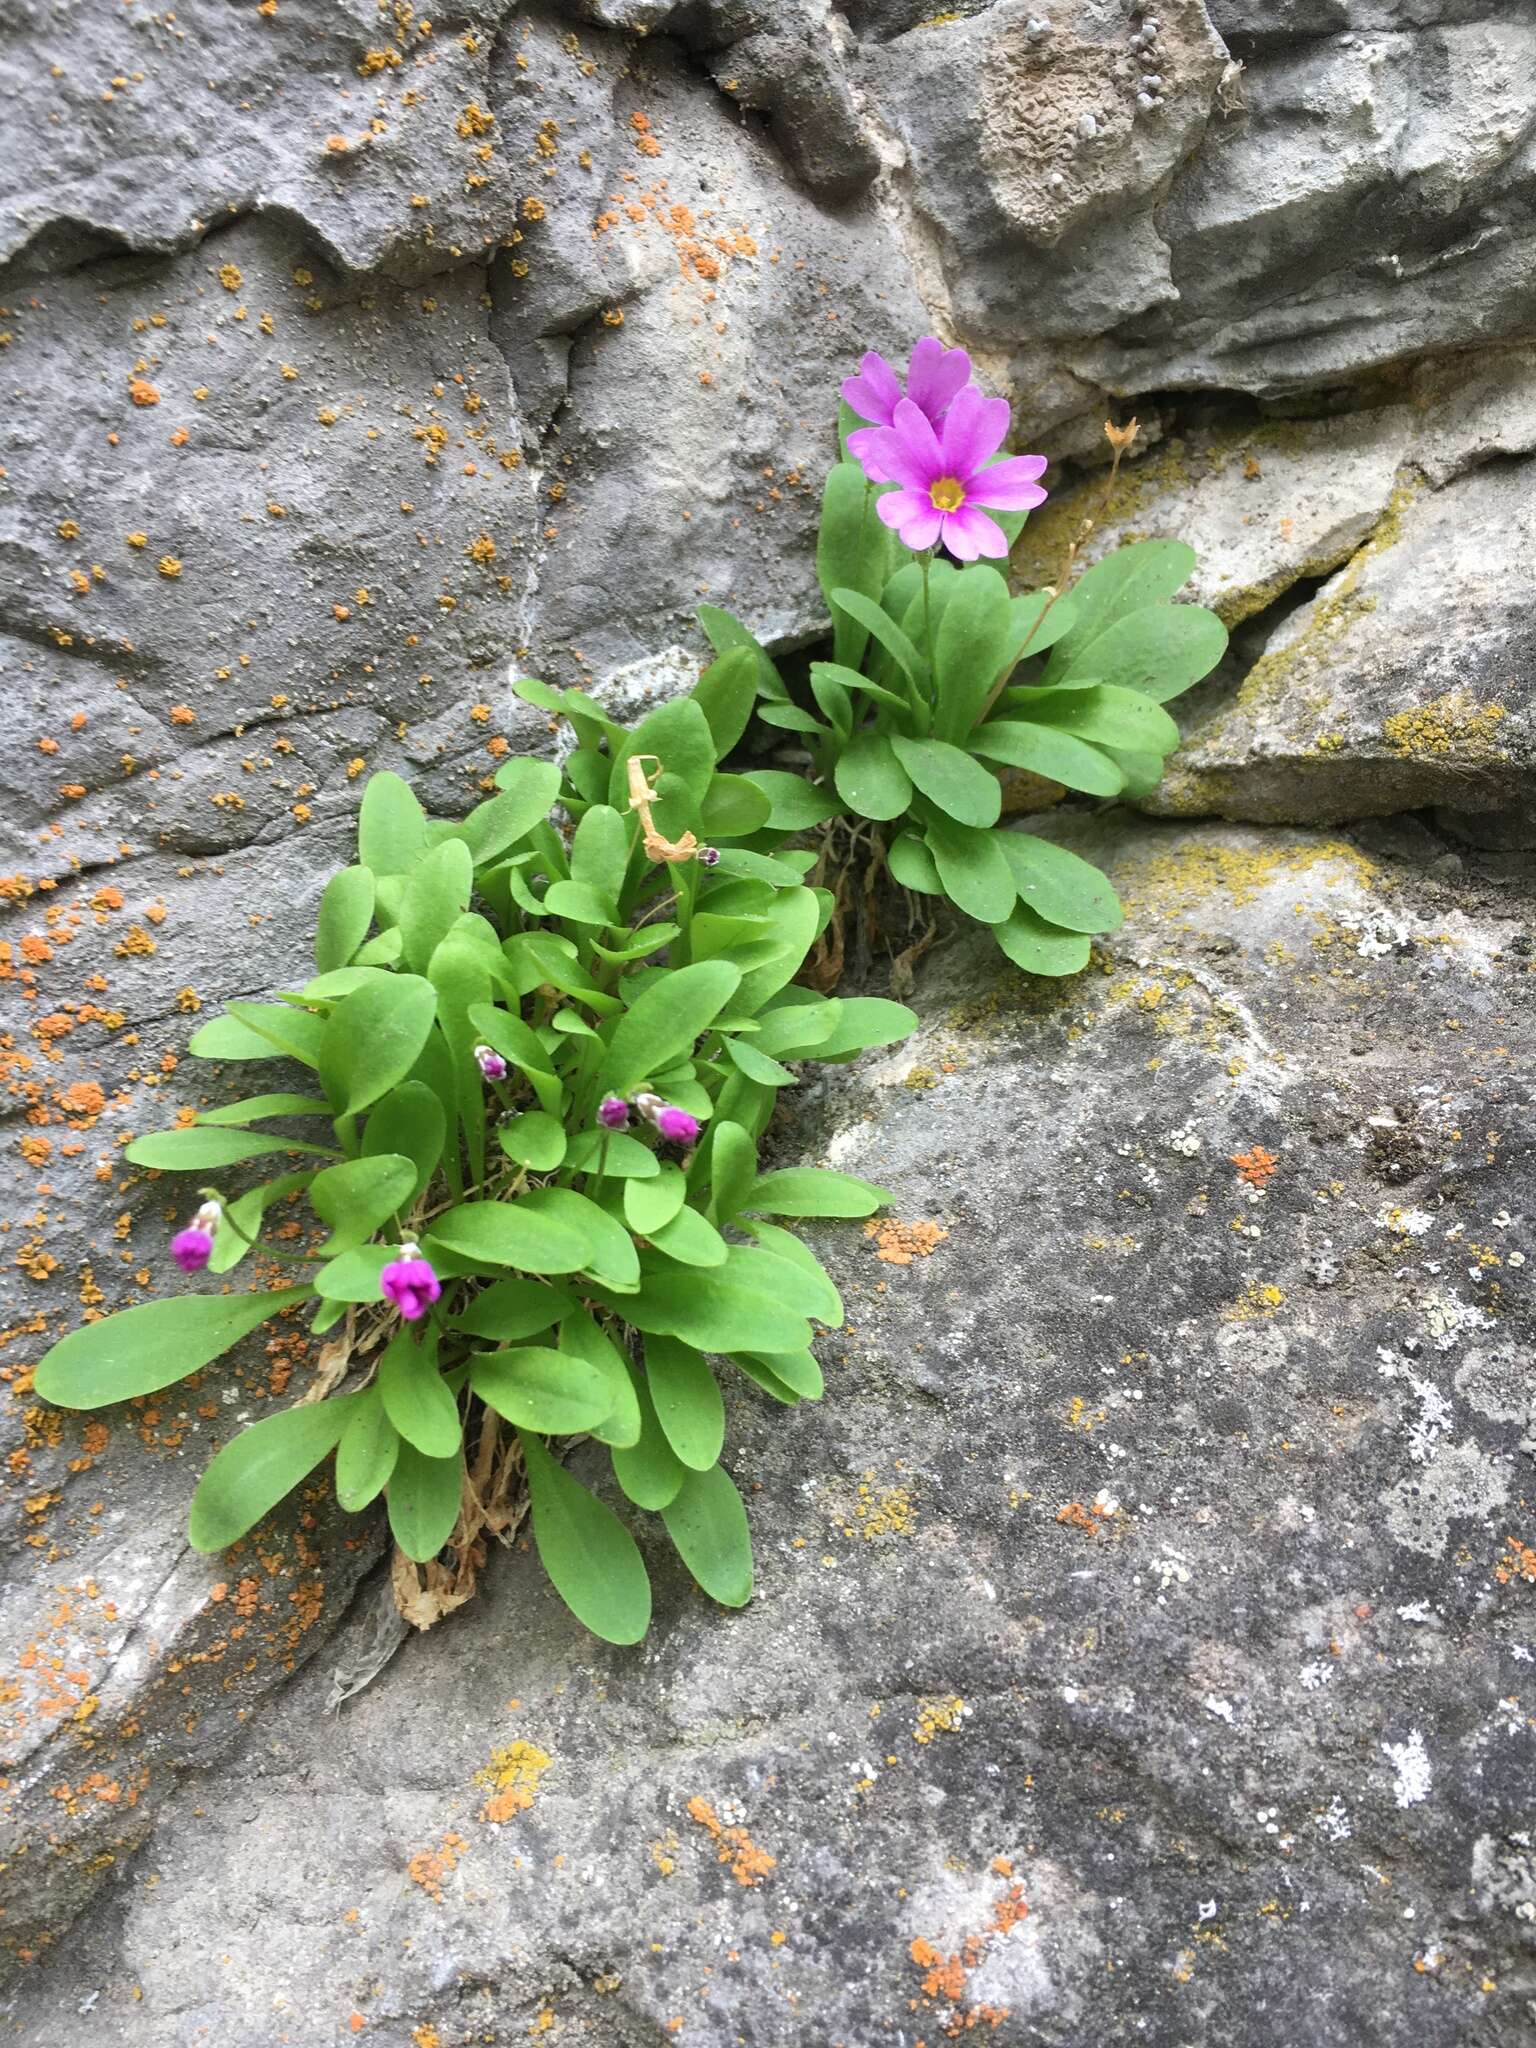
{"points": [[539, 1054], [941, 676]]}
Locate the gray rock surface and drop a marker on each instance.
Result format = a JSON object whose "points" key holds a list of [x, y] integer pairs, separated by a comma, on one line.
{"points": [[1152, 1566], [304, 444]]}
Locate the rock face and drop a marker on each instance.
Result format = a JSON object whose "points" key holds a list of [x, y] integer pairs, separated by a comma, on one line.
{"points": [[352, 354], [1152, 1588]]}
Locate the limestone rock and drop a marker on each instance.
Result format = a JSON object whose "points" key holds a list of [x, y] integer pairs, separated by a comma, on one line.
{"points": [[1407, 679], [1152, 1567]]}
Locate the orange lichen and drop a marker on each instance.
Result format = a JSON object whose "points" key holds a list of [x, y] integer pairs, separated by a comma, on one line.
{"points": [[429, 1867], [1256, 1166], [141, 392], [513, 1775], [748, 1864], [946, 1978], [1520, 1563], [898, 1244]]}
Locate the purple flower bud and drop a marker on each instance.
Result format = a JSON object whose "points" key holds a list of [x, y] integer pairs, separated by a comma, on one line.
{"points": [[410, 1283], [709, 856], [613, 1113], [192, 1249], [490, 1063], [676, 1124]]}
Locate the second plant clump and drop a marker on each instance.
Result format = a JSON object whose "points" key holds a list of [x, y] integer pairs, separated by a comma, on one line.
{"points": [[545, 1040]]}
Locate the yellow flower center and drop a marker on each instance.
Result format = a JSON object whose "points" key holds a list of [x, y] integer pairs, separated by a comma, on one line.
{"points": [[947, 495]]}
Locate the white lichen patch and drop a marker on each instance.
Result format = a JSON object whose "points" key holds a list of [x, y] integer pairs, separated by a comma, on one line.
{"points": [[1461, 1482], [1412, 1776]]}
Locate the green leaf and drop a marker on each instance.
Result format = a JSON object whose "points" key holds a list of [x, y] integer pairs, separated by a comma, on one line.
{"points": [[912, 865], [648, 1204], [725, 634], [822, 1300], [510, 1309], [884, 628], [251, 1474], [416, 1397], [971, 865], [1059, 885], [528, 788], [757, 1066], [757, 867], [1119, 718], [197, 1148], [517, 1042], [581, 1338], [733, 808], [227, 1038], [423, 1500], [245, 1213], [600, 852], [797, 1370], [1161, 650], [1142, 771], [814, 1191], [140, 1350], [519, 1234], [870, 777], [663, 1022], [373, 1038], [435, 896], [256, 1107], [1044, 750], [742, 1303], [613, 1154], [790, 718], [708, 1523], [796, 805], [845, 679], [853, 551], [574, 900], [959, 785], [732, 1169], [610, 1253], [354, 1275], [410, 1121], [725, 694], [346, 911], [535, 1140], [295, 1032], [760, 1375], [536, 1388], [1143, 573], [649, 1471], [969, 655], [360, 1194], [690, 1239], [687, 1400], [864, 1022], [592, 1560], [391, 826], [1038, 947], [678, 735], [365, 1453]]}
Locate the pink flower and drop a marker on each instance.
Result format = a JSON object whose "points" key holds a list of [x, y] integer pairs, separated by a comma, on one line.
{"points": [[947, 486], [613, 1113], [193, 1248], [410, 1283], [667, 1119], [934, 377], [490, 1063]]}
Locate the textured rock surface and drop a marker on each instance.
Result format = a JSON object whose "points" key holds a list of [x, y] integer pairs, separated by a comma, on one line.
{"points": [[1149, 1566], [303, 440]]}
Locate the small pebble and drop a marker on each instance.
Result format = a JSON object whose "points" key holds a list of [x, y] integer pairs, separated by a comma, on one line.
{"points": [[1087, 127]]}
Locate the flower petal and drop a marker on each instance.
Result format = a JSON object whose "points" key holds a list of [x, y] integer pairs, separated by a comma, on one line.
{"points": [[1009, 486], [916, 522], [914, 428], [874, 392], [861, 446], [974, 428], [902, 455], [969, 533], [935, 374]]}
